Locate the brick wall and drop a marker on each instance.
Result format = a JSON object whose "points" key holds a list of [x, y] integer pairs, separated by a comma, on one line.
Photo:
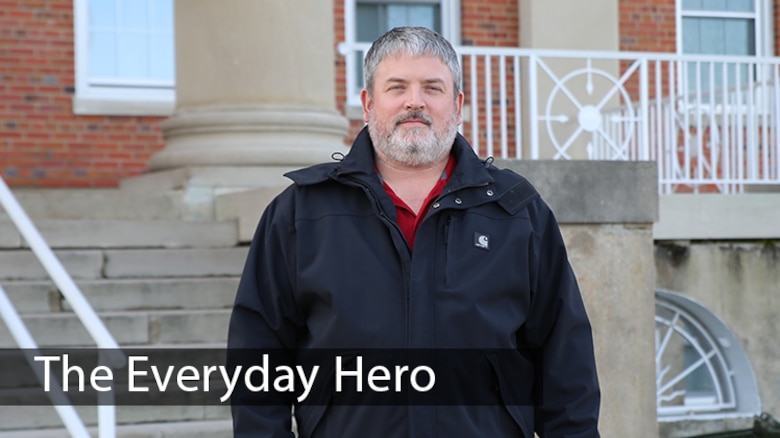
{"points": [[647, 25], [42, 143], [776, 22]]}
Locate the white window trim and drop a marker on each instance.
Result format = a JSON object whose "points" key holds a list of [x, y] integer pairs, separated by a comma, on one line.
{"points": [[762, 16], [450, 29], [91, 99]]}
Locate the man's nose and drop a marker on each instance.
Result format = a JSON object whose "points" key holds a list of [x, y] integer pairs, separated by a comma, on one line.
{"points": [[414, 99]]}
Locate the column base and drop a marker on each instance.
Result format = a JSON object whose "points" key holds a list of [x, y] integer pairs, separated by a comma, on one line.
{"points": [[268, 136]]}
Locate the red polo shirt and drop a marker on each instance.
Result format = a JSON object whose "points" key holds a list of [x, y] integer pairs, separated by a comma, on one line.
{"points": [[405, 217]]}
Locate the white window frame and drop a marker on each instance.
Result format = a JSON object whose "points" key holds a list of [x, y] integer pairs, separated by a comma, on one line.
{"points": [[107, 99], [450, 29], [735, 370], [761, 16]]}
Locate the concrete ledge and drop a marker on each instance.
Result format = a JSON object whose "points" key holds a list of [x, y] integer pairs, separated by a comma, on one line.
{"points": [[246, 207], [593, 192], [23, 265], [152, 263], [214, 177], [71, 233], [42, 203], [713, 217]]}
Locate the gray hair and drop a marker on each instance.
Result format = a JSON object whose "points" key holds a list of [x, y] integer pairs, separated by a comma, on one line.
{"points": [[412, 41]]}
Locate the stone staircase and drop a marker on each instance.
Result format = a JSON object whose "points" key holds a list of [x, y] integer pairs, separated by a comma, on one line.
{"points": [[159, 271]]}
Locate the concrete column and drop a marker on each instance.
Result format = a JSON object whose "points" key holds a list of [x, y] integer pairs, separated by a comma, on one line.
{"points": [[254, 86], [570, 25], [606, 211]]}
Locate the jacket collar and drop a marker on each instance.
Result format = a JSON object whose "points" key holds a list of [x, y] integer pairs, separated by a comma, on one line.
{"points": [[359, 163]]}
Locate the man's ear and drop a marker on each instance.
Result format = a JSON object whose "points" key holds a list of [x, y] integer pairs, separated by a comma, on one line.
{"points": [[459, 107], [365, 100]]}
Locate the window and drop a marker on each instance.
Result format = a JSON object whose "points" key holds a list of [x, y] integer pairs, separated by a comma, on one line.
{"points": [[722, 27], [124, 57], [702, 371], [365, 20]]}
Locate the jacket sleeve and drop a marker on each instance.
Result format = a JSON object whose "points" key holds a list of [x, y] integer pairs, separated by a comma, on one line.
{"points": [[264, 320], [566, 384]]}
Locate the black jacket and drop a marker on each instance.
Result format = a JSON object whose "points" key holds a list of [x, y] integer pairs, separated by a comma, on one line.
{"points": [[329, 268]]}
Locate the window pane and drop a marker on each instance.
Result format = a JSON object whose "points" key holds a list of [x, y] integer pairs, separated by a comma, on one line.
{"points": [[738, 37], [162, 15], [691, 31], [138, 44], [102, 13], [741, 5], [718, 36], [374, 19], [368, 24], [133, 14], [161, 62], [712, 33], [719, 5], [102, 54], [416, 15], [133, 55]]}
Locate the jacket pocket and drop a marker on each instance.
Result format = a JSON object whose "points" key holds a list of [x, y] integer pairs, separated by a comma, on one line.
{"points": [[307, 417], [520, 409]]}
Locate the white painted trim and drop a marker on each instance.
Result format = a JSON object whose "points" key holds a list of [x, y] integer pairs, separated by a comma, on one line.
{"points": [[135, 99], [86, 105]]}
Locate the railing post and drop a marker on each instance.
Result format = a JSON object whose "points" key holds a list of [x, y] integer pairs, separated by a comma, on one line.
{"points": [[644, 103], [533, 105]]}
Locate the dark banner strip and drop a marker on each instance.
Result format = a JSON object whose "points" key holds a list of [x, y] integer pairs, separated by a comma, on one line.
{"points": [[266, 377]]}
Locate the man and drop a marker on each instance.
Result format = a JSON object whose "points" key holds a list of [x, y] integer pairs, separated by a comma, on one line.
{"points": [[412, 242]]}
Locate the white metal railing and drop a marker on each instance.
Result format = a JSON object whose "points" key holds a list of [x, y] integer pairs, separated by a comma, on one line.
{"points": [[109, 355], [712, 123]]}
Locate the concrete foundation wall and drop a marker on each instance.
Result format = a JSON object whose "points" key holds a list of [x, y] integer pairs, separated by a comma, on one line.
{"points": [[606, 211]]}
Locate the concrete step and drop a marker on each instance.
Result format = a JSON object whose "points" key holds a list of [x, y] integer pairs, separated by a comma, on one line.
{"points": [[38, 296], [21, 264], [175, 262], [100, 204], [132, 421], [125, 233], [141, 328]]}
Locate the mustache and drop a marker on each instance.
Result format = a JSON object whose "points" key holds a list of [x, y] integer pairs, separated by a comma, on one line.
{"points": [[416, 116]]}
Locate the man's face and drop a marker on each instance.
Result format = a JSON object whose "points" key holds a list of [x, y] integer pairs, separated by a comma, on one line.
{"points": [[413, 114]]}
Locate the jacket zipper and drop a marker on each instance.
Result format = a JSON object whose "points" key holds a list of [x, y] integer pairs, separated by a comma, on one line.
{"points": [[405, 265]]}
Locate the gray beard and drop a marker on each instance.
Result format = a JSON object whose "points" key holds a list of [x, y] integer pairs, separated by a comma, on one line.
{"points": [[413, 147]]}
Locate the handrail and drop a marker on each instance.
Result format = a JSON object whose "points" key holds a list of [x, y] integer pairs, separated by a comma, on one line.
{"points": [[80, 306], [24, 340]]}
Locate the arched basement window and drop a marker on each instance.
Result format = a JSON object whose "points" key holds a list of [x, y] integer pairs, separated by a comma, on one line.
{"points": [[702, 372]]}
